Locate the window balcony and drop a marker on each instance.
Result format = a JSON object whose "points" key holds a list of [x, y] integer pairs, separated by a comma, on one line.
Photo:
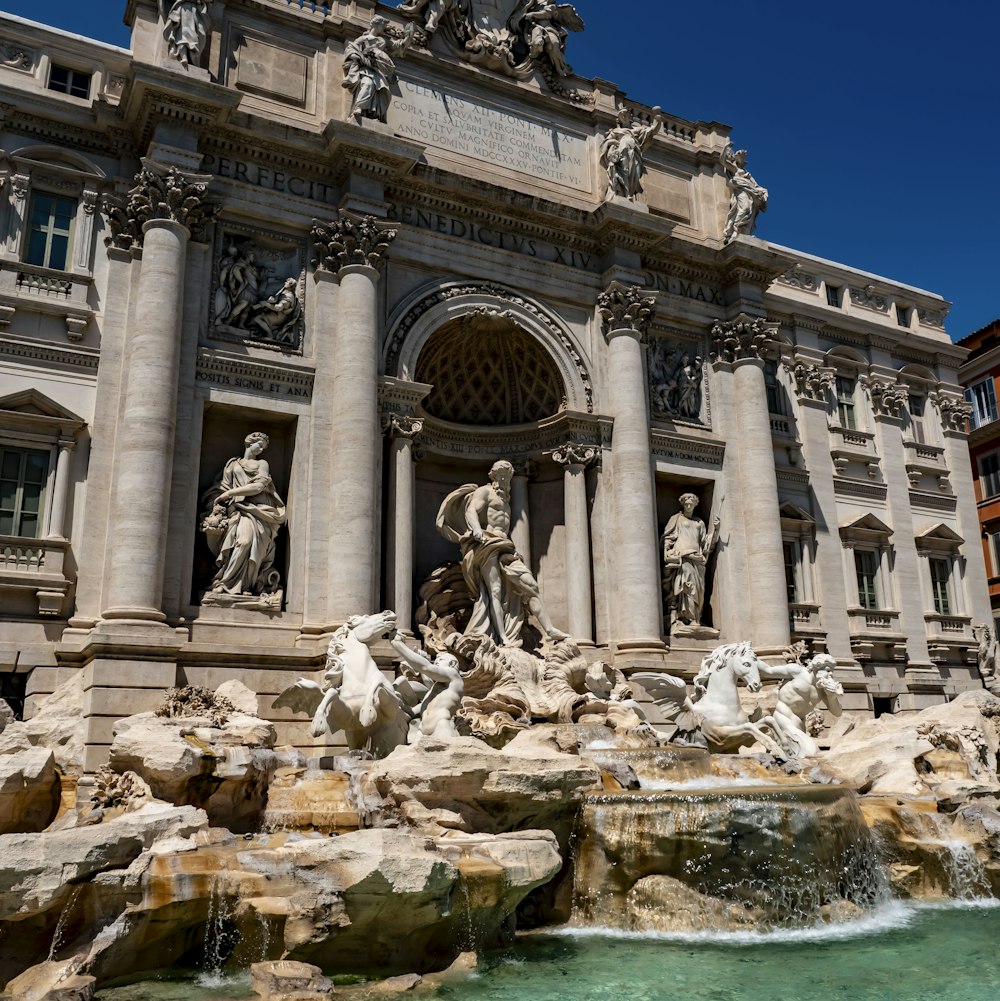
{"points": [[38, 289], [34, 567]]}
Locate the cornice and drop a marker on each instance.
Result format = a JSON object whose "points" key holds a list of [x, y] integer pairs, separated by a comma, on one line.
{"points": [[48, 352], [702, 449]]}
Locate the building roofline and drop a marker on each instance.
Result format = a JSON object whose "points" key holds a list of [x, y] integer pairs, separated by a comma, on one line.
{"points": [[65, 34]]}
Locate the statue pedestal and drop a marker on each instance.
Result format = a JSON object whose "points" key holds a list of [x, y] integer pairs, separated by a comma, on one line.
{"points": [[693, 631]]}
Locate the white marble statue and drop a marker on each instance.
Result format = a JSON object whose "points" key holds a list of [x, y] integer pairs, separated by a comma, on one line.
{"points": [[434, 12], [243, 516], [543, 27], [354, 696], [718, 715], [185, 27], [622, 153], [478, 518], [445, 689], [747, 198], [987, 660], [369, 70], [687, 545], [806, 686]]}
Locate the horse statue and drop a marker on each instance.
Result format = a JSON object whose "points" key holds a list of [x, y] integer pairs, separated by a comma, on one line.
{"points": [[354, 697], [715, 704]]}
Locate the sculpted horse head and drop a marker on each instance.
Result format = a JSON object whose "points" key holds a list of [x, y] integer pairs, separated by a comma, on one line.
{"points": [[731, 661]]}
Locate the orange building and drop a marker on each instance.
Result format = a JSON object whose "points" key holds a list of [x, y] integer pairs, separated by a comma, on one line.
{"points": [[979, 375]]}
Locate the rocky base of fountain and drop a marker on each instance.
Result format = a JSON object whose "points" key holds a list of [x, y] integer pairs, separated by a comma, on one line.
{"points": [[204, 845]]}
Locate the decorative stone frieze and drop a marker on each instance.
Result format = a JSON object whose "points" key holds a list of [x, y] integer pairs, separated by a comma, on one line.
{"points": [[169, 195], [868, 298], [745, 337], [888, 398], [346, 241], [17, 57], [624, 307], [812, 382], [676, 373], [799, 279], [398, 426], [574, 454]]}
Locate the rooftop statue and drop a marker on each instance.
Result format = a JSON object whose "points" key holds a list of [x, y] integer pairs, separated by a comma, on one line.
{"points": [[622, 149], [434, 13], [543, 26], [478, 518], [243, 515], [185, 27], [746, 197], [369, 69]]}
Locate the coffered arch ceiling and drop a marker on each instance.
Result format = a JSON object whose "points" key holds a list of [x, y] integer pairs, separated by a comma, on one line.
{"points": [[488, 371]]}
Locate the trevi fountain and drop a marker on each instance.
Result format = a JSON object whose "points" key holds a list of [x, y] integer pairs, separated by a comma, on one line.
{"points": [[506, 794]]}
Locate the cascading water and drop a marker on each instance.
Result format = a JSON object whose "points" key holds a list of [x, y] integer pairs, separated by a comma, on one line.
{"points": [[63, 922], [735, 853], [220, 931], [965, 874]]}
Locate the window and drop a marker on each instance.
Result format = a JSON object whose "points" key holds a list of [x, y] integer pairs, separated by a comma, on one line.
{"points": [[983, 398], [989, 474], [995, 553], [940, 576], [791, 551], [23, 473], [916, 408], [902, 316], [845, 403], [51, 226], [775, 394], [68, 81], [866, 567], [833, 295]]}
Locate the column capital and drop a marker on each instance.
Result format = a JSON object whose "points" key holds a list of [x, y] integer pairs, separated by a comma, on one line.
{"points": [[575, 454], [747, 338], [158, 193], [888, 398], [345, 241], [812, 381], [398, 426], [955, 412], [626, 308]]}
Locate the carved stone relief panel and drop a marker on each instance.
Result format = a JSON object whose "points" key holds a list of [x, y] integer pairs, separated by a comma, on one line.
{"points": [[676, 380], [258, 285]]}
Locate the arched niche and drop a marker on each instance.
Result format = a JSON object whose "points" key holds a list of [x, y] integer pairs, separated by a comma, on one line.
{"points": [[431, 310]]}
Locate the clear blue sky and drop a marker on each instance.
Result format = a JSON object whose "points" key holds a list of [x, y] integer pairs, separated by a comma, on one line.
{"points": [[875, 126]]}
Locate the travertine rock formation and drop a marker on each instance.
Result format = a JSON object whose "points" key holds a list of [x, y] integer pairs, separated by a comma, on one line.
{"points": [[29, 790]]}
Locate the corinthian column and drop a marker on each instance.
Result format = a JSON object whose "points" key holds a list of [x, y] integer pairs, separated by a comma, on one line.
{"points": [[354, 251], [637, 622], [739, 345], [162, 211], [574, 459], [402, 432]]}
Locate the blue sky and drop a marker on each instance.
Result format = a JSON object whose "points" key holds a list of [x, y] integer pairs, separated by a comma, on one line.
{"points": [[874, 125]]}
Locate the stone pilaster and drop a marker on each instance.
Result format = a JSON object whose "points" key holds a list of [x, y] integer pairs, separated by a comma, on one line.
{"points": [[740, 346], [354, 250], [161, 212], [402, 432], [626, 313], [813, 385], [579, 598]]}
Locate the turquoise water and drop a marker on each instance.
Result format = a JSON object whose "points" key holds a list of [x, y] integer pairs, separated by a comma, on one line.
{"points": [[903, 953]]}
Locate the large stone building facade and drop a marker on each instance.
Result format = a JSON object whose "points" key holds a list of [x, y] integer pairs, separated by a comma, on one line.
{"points": [[249, 223]]}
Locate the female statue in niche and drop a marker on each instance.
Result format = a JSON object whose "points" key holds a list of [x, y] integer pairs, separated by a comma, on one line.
{"points": [[185, 27], [244, 515], [687, 545]]}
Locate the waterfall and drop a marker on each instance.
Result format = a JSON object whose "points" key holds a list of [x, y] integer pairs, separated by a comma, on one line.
{"points": [[221, 934], [63, 921], [966, 875], [716, 859]]}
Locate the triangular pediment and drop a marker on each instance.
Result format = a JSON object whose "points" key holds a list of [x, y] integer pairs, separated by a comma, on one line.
{"points": [[941, 533], [866, 523], [792, 512], [32, 403]]}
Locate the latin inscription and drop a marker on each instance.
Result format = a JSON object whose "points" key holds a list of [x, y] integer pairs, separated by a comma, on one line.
{"points": [[265, 177], [252, 384], [489, 236], [681, 287], [479, 130]]}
